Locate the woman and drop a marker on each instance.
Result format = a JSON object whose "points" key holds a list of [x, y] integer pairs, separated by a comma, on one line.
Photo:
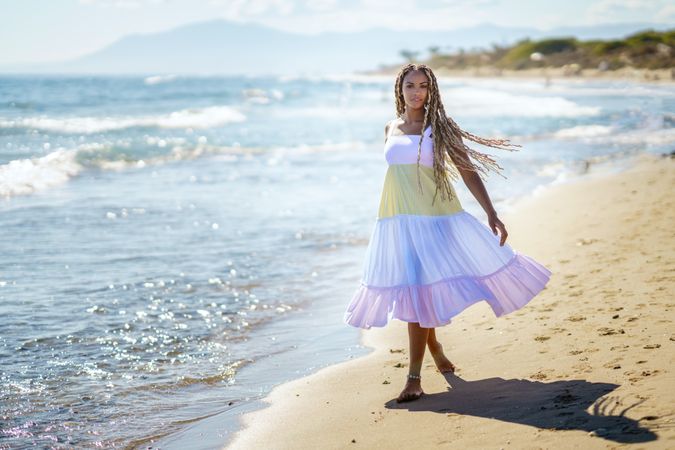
{"points": [[427, 258]]}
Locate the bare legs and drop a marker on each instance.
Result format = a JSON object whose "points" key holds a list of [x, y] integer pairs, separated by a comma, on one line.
{"points": [[419, 338], [436, 349]]}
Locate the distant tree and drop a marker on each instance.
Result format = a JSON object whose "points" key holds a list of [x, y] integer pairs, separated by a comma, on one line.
{"points": [[434, 50], [409, 55]]}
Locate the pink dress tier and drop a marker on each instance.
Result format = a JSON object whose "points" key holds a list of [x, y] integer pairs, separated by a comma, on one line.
{"points": [[426, 263]]}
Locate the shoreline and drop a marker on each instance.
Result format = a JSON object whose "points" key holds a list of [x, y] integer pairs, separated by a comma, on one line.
{"points": [[589, 333], [655, 76]]}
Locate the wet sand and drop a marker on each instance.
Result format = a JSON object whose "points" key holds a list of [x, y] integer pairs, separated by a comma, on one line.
{"points": [[587, 363]]}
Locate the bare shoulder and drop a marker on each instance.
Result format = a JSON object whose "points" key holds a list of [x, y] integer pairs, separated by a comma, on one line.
{"points": [[389, 125]]}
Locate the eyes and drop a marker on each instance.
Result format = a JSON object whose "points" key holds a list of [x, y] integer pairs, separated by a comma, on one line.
{"points": [[423, 86]]}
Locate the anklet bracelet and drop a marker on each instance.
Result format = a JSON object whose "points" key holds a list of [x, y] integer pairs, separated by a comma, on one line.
{"points": [[414, 377]]}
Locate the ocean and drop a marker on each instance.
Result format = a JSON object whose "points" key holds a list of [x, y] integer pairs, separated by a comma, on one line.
{"points": [[174, 247]]}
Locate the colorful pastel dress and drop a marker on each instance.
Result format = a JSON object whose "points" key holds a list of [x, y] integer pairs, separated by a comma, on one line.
{"points": [[427, 263]]}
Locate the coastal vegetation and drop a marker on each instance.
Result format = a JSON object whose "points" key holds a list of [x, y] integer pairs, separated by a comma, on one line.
{"points": [[647, 49]]}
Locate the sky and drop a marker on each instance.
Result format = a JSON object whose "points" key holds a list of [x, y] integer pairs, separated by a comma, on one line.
{"points": [[57, 30]]}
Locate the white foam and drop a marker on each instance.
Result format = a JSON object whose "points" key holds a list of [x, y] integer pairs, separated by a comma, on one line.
{"points": [[600, 134], [186, 118], [644, 136], [157, 79], [25, 176], [472, 101], [337, 111], [583, 87], [583, 131]]}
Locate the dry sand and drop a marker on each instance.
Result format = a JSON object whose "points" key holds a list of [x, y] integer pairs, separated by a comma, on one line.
{"points": [[626, 74], [587, 364]]}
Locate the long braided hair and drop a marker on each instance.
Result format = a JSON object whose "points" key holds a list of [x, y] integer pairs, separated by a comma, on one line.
{"points": [[447, 137]]}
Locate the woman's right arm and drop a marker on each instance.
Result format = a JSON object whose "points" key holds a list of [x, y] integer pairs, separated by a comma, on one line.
{"points": [[477, 188]]}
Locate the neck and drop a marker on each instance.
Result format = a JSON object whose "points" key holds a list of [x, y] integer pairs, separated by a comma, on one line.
{"points": [[413, 115]]}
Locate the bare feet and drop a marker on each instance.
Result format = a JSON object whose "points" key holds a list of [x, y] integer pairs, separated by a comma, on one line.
{"points": [[411, 391], [442, 362]]}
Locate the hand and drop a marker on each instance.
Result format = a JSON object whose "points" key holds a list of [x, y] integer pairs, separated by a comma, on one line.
{"points": [[495, 224]]}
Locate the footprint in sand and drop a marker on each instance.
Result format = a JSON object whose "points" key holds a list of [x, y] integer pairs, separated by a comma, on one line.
{"points": [[576, 318], [613, 364], [605, 331], [501, 348], [643, 374], [619, 347], [583, 367], [542, 338]]}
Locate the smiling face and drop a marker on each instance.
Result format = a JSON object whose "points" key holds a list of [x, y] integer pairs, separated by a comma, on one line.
{"points": [[415, 89]]}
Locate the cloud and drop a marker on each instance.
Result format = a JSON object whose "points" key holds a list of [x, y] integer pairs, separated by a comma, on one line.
{"points": [[625, 10], [666, 14], [242, 9], [321, 5]]}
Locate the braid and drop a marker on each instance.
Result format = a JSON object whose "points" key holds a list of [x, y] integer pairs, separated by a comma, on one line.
{"points": [[447, 138]]}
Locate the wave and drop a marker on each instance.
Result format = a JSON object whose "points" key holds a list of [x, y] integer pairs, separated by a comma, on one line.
{"points": [[458, 101], [595, 88], [26, 176], [584, 131], [262, 97], [602, 134], [471, 101], [207, 117], [158, 79]]}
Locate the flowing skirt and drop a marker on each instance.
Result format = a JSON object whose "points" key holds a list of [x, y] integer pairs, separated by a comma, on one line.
{"points": [[426, 263]]}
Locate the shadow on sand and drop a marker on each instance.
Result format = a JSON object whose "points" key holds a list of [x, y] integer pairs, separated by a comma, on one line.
{"points": [[558, 405]]}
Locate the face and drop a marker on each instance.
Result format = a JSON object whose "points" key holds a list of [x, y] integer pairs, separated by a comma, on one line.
{"points": [[415, 89]]}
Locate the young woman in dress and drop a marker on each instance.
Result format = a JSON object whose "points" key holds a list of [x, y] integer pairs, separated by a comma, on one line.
{"points": [[427, 258]]}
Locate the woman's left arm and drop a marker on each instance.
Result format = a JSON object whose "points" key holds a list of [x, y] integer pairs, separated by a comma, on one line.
{"points": [[477, 188]]}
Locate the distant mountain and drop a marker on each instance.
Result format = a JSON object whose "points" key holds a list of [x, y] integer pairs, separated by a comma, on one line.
{"points": [[232, 48]]}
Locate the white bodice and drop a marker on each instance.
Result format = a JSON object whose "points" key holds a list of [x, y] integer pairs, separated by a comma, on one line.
{"points": [[402, 148]]}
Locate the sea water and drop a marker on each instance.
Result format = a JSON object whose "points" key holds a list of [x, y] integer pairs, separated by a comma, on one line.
{"points": [[173, 247]]}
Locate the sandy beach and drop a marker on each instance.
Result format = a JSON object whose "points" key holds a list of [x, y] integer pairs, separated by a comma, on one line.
{"points": [[587, 364], [624, 75]]}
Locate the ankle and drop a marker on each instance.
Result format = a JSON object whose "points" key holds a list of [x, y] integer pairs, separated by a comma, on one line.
{"points": [[434, 346]]}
